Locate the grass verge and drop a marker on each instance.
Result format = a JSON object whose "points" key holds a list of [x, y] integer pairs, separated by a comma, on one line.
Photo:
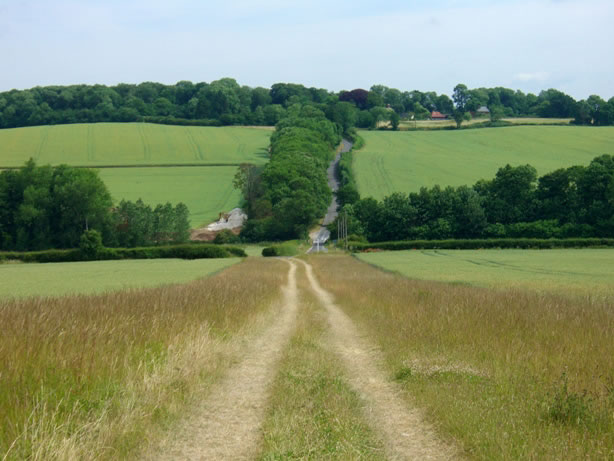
{"points": [[98, 377], [313, 413], [510, 374]]}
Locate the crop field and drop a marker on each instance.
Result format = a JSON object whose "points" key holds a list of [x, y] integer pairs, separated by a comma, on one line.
{"points": [[160, 149], [405, 161], [434, 124], [18, 280], [586, 272], [206, 191], [119, 144]]}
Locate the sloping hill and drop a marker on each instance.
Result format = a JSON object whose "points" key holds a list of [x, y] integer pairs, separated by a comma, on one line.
{"points": [[405, 161], [110, 144], [157, 163]]}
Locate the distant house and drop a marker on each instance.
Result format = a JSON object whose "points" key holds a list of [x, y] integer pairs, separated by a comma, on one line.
{"points": [[483, 111], [438, 116]]}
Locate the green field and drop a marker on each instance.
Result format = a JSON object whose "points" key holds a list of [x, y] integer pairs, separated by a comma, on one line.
{"points": [[206, 191], [578, 272], [99, 144], [405, 161], [56, 279]]}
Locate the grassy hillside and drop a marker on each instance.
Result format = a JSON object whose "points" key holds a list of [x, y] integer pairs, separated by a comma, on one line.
{"points": [[58, 279], [206, 191], [582, 272], [132, 144], [406, 161]]}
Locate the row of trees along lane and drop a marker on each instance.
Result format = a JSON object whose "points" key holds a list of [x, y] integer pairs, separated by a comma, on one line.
{"points": [[291, 193]]}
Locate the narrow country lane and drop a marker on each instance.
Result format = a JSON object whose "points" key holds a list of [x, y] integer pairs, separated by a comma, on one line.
{"points": [[322, 235]]}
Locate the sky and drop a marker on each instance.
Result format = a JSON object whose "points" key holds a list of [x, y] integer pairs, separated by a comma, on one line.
{"points": [[427, 45]]}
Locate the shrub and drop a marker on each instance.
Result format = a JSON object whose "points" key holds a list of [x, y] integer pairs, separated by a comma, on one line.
{"points": [[226, 236], [90, 244]]}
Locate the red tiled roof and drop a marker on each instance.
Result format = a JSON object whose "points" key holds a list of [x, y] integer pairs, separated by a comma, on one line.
{"points": [[436, 114]]}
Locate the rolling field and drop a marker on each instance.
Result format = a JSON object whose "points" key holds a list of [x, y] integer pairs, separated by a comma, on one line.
{"points": [[160, 149], [58, 279], [206, 191], [119, 144], [582, 272], [405, 161]]}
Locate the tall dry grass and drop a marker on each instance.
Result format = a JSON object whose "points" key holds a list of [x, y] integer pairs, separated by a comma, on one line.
{"points": [[93, 377], [510, 374]]}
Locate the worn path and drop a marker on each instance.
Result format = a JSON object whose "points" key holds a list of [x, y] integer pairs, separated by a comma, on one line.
{"points": [[405, 434], [227, 426]]}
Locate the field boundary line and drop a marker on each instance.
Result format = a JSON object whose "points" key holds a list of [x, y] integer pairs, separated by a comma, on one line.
{"points": [[405, 433]]}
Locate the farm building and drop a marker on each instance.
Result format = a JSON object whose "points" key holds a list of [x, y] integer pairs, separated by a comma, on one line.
{"points": [[438, 116], [483, 111]]}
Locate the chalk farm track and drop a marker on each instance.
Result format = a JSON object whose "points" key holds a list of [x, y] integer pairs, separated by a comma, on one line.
{"points": [[228, 423]]}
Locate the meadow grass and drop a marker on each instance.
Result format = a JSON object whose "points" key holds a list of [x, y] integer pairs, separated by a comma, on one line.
{"points": [[206, 191], [100, 376], [93, 144], [405, 161], [312, 411], [582, 272], [509, 374], [18, 280]]}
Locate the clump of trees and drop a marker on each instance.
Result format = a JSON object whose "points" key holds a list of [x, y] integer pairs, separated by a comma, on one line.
{"points": [[226, 102], [44, 207], [291, 192], [570, 202]]}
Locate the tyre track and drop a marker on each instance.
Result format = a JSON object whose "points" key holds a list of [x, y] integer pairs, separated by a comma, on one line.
{"points": [[228, 424], [405, 434]]}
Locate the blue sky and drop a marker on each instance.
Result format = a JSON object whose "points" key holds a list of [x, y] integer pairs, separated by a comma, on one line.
{"points": [[425, 45]]}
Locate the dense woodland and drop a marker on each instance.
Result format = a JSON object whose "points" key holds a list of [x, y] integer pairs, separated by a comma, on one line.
{"points": [[45, 207], [569, 202], [225, 102]]}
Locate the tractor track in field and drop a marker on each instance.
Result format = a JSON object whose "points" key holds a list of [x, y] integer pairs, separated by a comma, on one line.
{"points": [[228, 424], [404, 432]]}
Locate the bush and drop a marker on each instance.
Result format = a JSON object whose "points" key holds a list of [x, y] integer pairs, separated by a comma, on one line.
{"points": [[90, 244], [226, 236]]}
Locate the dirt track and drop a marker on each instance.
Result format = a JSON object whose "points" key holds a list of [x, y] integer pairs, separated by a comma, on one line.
{"points": [[227, 426], [405, 434], [228, 423]]}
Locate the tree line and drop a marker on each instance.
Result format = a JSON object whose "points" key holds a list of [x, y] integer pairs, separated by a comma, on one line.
{"points": [[44, 207], [226, 102], [291, 192], [570, 202]]}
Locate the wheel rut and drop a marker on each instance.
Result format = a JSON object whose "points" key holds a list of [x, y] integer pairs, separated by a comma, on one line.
{"points": [[404, 432], [228, 424]]}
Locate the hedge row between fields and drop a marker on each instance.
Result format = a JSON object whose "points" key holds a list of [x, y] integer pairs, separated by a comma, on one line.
{"points": [[475, 244], [186, 251]]}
